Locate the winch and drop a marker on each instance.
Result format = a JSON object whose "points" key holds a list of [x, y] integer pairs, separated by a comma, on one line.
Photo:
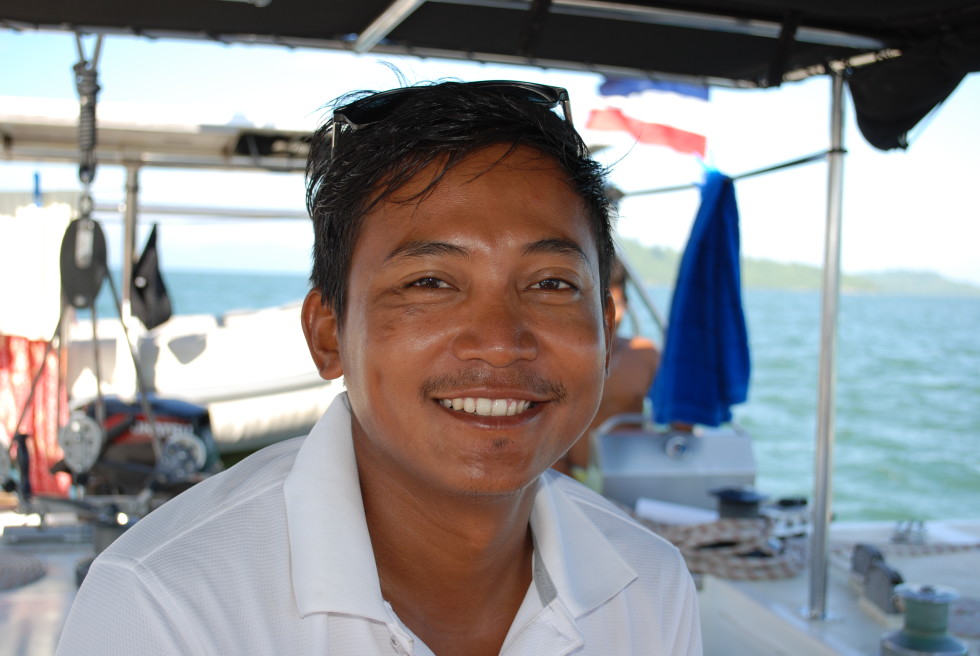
{"points": [[926, 620]]}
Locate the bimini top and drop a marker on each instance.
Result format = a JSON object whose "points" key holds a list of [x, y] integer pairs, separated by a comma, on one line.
{"points": [[927, 45]]}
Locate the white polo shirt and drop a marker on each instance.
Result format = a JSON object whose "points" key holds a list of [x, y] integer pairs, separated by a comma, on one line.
{"points": [[273, 557]]}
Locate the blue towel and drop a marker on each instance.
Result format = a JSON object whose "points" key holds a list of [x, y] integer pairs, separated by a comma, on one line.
{"points": [[705, 367]]}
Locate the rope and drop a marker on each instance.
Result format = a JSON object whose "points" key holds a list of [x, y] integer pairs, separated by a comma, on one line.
{"points": [[908, 550], [19, 569], [754, 550], [743, 549], [809, 159], [749, 549]]}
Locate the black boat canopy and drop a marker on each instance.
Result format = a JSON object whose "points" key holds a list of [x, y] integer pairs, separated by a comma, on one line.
{"points": [[907, 56]]}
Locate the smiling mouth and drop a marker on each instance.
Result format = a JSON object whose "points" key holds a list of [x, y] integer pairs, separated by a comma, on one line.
{"points": [[487, 407]]}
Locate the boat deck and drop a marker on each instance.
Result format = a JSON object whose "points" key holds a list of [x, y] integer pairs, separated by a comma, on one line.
{"points": [[758, 618], [739, 618], [32, 615]]}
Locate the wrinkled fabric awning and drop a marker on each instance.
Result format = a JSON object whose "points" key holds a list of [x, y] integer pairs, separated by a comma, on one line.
{"points": [[705, 366], [745, 43]]}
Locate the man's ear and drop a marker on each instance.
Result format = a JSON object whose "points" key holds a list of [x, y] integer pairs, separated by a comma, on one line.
{"points": [[609, 326], [320, 329]]}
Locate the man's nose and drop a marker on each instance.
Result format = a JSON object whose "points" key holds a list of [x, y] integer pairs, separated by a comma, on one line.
{"points": [[496, 331]]}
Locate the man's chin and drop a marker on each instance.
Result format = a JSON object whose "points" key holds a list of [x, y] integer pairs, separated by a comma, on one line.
{"points": [[502, 485]]}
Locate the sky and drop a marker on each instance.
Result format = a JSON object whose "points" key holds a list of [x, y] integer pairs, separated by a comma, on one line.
{"points": [[915, 209]]}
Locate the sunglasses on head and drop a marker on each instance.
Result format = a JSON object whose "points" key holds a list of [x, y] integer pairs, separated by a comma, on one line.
{"points": [[376, 108]]}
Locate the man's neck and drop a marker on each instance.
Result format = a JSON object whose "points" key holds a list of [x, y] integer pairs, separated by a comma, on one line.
{"points": [[454, 569]]}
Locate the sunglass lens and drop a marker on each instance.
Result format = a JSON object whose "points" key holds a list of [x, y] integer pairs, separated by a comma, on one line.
{"points": [[374, 108]]}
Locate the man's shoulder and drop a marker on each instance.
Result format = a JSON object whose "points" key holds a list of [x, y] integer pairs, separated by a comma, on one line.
{"points": [[658, 602], [644, 351], [270, 463], [245, 494], [641, 343], [613, 520], [250, 477], [653, 568]]}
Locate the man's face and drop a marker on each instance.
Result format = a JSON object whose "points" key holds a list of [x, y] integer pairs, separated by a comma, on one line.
{"points": [[474, 340]]}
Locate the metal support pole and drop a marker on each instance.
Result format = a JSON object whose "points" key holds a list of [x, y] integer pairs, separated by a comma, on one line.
{"points": [[645, 298], [130, 218], [823, 461]]}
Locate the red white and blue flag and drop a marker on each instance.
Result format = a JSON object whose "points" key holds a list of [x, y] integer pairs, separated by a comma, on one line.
{"points": [[667, 114]]}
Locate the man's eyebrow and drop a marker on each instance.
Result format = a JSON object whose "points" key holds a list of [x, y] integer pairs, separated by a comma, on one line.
{"points": [[556, 246], [426, 249]]}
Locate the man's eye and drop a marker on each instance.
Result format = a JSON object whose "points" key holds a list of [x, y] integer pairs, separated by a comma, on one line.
{"points": [[430, 283], [552, 285]]}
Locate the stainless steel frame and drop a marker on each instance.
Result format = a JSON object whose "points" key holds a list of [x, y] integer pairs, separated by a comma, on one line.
{"points": [[823, 460]]}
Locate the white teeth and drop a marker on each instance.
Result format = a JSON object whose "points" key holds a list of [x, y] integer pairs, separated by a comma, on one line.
{"points": [[487, 407]]}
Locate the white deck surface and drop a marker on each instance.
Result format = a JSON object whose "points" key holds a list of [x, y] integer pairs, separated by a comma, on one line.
{"points": [[32, 615], [740, 618], [758, 618]]}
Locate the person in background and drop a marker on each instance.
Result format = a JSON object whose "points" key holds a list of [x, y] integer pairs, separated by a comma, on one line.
{"points": [[460, 286], [632, 368]]}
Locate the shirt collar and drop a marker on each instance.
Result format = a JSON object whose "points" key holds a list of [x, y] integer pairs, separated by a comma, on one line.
{"points": [[584, 569], [332, 562]]}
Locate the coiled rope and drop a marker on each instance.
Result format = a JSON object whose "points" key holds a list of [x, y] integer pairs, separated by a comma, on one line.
{"points": [[742, 549]]}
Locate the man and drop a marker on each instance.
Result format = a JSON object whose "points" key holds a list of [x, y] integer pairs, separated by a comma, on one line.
{"points": [[632, 368], [460, 264]]}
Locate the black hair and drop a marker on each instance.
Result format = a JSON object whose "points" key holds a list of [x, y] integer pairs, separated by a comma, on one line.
{"points": [[434, 124]]}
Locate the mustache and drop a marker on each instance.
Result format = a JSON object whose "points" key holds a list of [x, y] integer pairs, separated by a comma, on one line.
{"points": [[521, 379]]}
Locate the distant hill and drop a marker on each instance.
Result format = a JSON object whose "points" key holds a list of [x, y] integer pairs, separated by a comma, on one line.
{"points": [[657, 265], [919, 283]]}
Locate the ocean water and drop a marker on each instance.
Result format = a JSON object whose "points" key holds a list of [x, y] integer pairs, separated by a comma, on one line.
{"points": [[907, 440], [908, 402]]}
